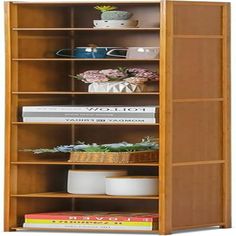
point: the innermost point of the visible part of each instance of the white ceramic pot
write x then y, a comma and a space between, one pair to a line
90, 181
115, 23
116, 87
143, 53
132, 186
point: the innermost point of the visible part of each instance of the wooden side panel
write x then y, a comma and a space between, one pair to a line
199, 19
197, 58
197, 195
199, 77
197, 132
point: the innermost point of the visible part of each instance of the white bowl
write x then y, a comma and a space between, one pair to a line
90, 181
132, 185
115, 23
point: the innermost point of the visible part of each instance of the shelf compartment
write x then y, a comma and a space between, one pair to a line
52, 75
59, 14
86, 230
90, 196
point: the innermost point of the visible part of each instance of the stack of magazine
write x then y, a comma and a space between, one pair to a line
90, 114
92, 220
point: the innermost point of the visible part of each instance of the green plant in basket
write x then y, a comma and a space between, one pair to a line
146, 144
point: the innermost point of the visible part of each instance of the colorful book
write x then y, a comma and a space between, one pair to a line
87, 226
89, 222
96, 109
89, 120
95, 216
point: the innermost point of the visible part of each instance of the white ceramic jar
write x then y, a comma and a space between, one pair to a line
132, 185
90, 181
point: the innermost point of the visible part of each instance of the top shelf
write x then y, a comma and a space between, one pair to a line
86, 29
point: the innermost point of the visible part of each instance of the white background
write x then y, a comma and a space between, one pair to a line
208, 232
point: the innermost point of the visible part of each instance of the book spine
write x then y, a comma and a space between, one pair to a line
90, 114
88, 222
89, 120
84, 226
127, 109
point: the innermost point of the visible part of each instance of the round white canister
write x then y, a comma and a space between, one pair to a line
132, 185
90, 181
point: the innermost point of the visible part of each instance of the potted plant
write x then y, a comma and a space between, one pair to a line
112, 18
127, 80
110, 13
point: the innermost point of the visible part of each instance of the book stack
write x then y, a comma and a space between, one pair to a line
90, 114
92, 220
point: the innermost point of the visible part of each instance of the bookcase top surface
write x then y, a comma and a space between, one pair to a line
87, 2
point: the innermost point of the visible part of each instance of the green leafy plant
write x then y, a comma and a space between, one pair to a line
105, 8
147, 143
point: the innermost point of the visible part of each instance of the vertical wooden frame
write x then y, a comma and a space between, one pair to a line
7, 7
226, 115
165, 170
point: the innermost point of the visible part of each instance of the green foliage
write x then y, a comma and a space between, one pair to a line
147, 143
105, 8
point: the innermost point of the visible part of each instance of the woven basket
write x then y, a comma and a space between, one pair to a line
114, 157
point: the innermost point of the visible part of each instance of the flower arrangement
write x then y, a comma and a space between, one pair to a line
146, 144
130, 75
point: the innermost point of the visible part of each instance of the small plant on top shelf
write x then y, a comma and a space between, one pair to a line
108, 13
112, 18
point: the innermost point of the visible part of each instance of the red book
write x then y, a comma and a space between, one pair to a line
99, 216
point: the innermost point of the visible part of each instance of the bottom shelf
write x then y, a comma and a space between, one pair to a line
87, 230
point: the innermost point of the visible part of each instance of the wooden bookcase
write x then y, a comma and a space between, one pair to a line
193, 94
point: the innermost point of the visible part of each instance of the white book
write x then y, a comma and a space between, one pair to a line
89, 120
85, 226
107, 108
90, 114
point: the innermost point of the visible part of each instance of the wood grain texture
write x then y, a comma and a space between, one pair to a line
7, 118
226, 116
201, 172
165, 177
197, 195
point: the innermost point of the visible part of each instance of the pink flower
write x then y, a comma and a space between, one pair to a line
136, 80
92, 76
144, 73
114, 73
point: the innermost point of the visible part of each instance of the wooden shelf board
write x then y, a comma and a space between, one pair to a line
87, 230
198, 36
82, 163
73, 123
84, 59
194, 163
81, 93
198, 100
92, 196
85, 29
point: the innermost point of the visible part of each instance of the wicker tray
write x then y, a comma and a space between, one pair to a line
114, 157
